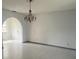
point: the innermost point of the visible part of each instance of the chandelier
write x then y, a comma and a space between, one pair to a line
30, 17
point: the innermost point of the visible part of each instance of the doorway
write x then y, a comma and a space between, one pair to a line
12, 30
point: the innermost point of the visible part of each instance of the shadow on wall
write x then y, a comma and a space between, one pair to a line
12, 29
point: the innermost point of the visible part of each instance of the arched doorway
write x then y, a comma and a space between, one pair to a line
12, 30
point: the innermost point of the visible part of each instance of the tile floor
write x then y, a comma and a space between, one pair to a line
33, 51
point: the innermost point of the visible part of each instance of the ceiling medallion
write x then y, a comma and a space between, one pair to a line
30, 17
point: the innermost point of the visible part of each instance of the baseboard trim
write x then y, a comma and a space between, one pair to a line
48, 45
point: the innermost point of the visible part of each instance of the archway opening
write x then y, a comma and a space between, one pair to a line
12, 30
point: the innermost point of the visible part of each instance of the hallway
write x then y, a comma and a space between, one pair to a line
34, 51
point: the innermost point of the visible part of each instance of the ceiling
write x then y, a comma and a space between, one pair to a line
39, 6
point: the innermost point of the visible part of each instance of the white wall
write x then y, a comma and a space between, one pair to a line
7, 31
26, 26
57, 28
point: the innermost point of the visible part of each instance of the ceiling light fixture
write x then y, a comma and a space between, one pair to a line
30, 17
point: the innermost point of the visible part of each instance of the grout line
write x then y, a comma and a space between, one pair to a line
48, 45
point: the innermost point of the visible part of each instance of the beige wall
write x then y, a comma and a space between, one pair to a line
56, 28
